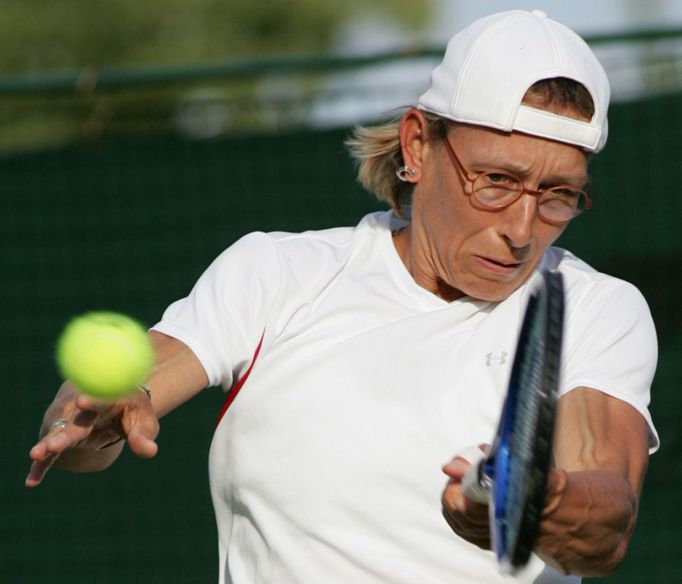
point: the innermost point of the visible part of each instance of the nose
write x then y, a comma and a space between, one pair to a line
517, 221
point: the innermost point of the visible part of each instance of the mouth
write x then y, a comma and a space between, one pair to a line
499, 266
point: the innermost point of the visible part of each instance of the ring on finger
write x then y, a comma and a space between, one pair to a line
61, 423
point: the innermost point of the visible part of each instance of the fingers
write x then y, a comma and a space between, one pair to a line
457, 505
87, 403
457, 468
61, 435
81, 433
64, 433
38, 470
466, 518
478, 537
133, 418
464, 459
142, 427
142, 446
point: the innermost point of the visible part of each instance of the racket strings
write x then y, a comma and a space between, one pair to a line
535, 377
523, 471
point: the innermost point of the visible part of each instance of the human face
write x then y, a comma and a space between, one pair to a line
454, 248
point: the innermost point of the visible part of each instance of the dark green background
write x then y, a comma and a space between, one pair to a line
129, 223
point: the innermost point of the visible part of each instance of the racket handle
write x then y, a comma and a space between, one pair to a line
474, 487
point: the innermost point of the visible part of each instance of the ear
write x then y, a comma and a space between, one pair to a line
414, 141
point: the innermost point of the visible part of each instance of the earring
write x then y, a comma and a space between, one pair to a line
404, 173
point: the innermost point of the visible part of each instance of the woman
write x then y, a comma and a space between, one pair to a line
359, 360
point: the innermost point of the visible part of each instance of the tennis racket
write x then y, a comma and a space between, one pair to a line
512, 478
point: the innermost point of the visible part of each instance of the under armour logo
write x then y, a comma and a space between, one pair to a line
496, 358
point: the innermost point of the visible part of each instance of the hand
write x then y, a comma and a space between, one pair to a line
88, 440
468, 519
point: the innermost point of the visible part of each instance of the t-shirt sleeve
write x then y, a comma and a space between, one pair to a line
610, 345
224, 316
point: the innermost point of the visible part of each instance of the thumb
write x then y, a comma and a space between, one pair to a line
464, 460
142, 445
142, 427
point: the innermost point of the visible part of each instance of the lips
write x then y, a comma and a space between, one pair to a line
498, 265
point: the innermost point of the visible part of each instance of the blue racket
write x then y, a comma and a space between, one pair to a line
512, 478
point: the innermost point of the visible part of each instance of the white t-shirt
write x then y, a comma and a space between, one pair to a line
326, 467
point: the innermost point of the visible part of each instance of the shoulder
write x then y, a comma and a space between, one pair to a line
309, 252
261, 252
605, 313
330, 240
586, 286
279, 264
610, 342
313, 241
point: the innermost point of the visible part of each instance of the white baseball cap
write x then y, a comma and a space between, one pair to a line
489, 66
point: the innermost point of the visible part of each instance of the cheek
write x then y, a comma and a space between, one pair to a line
458, 232
547, 234
458, 235
448, 214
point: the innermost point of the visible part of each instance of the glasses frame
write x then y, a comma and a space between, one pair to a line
457, 163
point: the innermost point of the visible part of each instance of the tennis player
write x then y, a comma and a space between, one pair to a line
360, 360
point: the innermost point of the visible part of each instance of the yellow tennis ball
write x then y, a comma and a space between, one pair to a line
105, 354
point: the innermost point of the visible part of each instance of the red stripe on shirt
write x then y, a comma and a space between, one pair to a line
240, 383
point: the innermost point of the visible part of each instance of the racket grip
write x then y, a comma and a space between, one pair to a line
473, 488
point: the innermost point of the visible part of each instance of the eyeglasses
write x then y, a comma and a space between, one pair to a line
494, 190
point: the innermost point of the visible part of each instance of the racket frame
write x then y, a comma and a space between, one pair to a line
513, 528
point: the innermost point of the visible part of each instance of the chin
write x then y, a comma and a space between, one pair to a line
492, 291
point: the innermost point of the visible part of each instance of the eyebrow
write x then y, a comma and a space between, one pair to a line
521, 172
583, 183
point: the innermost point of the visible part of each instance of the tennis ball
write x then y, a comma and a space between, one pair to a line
105, 354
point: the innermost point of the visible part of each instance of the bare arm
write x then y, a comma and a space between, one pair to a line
601, 456
89, 440
178, 375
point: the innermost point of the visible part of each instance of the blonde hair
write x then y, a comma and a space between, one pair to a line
377, 155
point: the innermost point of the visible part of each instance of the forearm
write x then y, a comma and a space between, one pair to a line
587, 522
177, 376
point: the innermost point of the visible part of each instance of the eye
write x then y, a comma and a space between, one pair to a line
562, 203
565, 195
498, 179
563, 192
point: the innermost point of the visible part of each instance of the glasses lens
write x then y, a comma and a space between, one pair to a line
494, 189
561, 203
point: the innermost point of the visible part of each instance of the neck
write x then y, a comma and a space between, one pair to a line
403, 240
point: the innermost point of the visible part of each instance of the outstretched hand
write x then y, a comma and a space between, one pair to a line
82, 434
